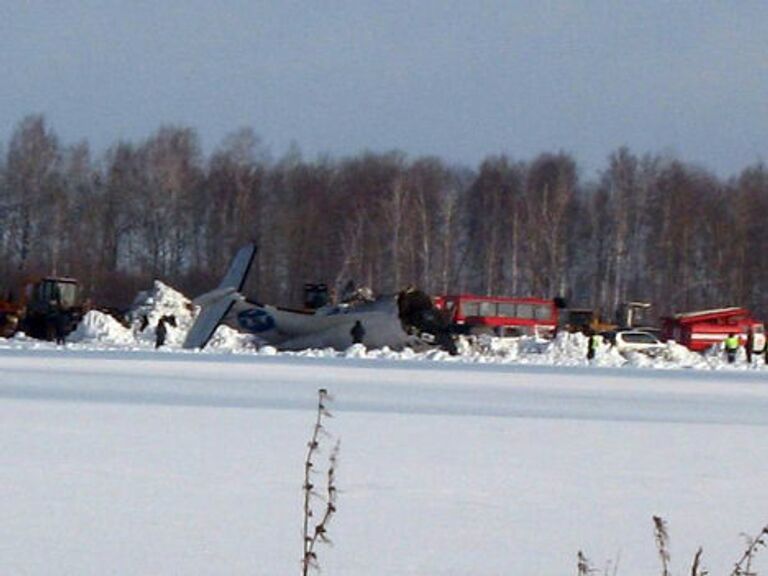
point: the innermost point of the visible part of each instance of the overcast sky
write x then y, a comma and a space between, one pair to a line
456, 79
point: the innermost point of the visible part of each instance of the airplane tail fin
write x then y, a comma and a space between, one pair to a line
238, 268
215, 305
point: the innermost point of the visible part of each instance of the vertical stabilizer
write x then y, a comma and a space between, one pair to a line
238, 268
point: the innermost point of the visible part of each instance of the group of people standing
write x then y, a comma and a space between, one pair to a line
161, 329
733, 342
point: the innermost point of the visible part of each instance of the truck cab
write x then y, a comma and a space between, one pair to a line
52, 305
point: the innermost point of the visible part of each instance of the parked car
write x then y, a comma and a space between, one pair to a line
637, 341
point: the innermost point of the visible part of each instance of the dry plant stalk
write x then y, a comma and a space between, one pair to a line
582, 563
612, 567
696, 569
662, 543
584, 568
318, 532
744, 566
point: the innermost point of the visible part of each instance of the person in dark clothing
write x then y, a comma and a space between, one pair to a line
750, 344
357, 333
60, 326
160, 333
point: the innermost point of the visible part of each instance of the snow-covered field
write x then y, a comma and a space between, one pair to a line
118, 459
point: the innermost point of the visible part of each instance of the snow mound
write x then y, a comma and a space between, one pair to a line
356, 351
97, 327
161, 301
226, 338
565, 350
678, 355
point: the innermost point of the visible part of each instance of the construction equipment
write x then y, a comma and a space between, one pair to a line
49, 308
584, 320
627, 315
632, 314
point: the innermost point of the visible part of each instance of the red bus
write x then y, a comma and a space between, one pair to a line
499, 315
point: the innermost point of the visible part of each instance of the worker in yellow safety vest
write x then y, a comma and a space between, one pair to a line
731, 345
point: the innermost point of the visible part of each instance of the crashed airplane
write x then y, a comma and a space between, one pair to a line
397, 321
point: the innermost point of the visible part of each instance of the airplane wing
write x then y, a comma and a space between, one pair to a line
207, 322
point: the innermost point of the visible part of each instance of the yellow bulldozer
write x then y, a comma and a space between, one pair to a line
628, 315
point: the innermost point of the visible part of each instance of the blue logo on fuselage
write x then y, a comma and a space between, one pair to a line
255, 320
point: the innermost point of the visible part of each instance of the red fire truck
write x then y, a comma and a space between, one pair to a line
499, 315
700, 330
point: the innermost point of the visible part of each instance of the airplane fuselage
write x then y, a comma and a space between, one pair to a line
382, 321
329, 326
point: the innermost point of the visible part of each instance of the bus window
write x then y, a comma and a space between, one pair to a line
470, 308
543, 312
525, 311
487, 309
507, 309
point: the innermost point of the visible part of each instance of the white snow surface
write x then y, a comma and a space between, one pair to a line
508, 459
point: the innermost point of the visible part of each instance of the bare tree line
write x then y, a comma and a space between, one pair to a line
648, 228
